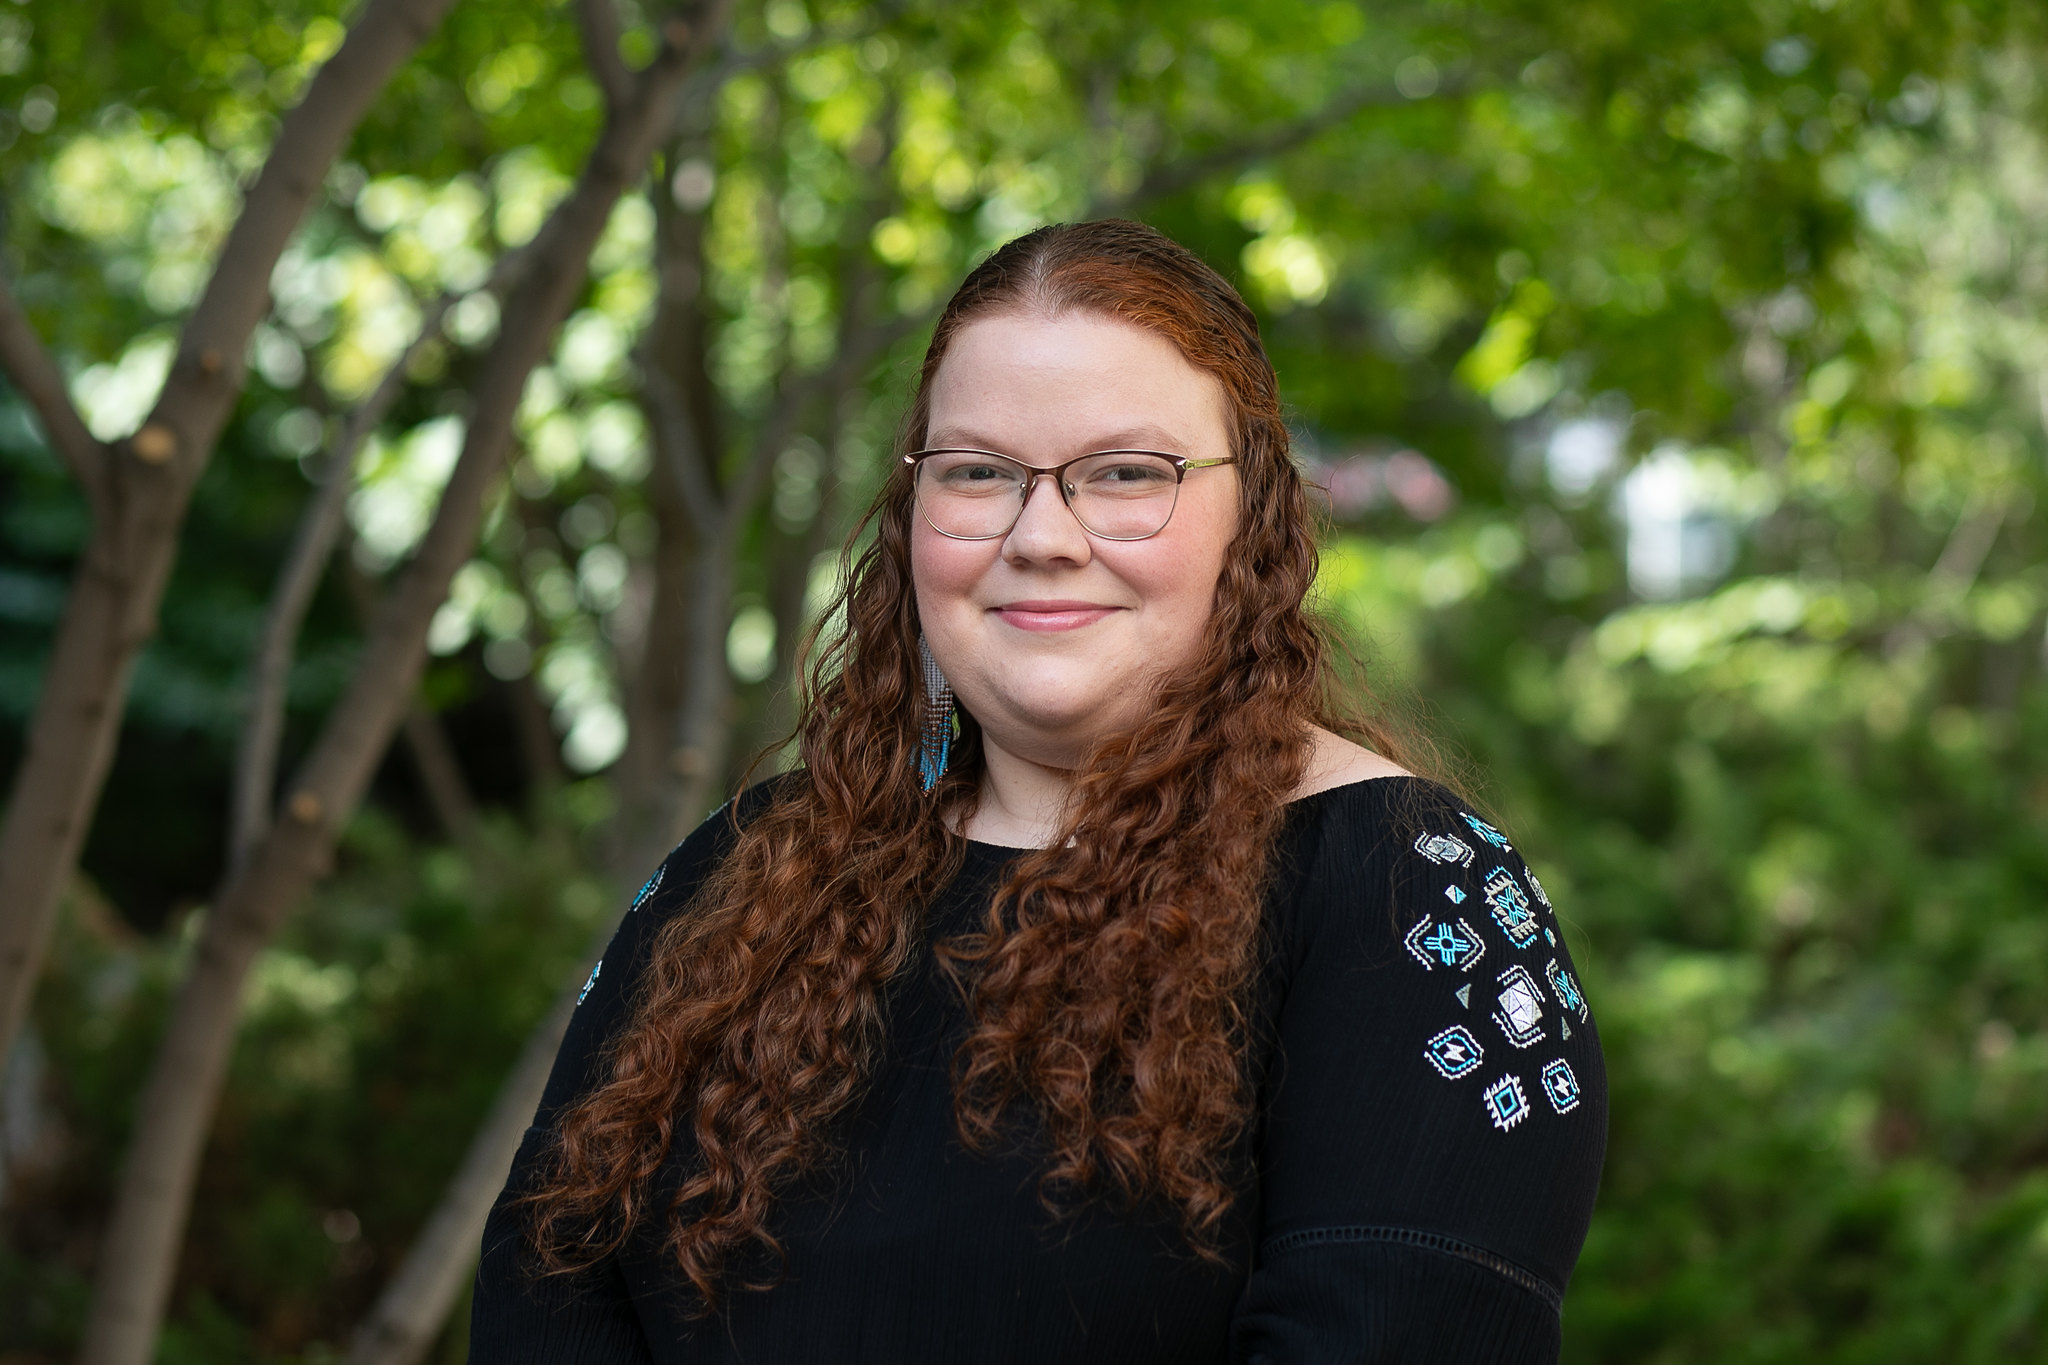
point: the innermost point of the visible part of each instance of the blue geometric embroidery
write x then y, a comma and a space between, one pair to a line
1456, 894
1550, 938
653, 883
1454, 1052
1536, 886
1444, 848
1445, 943
1565, 989
591, 982
1511, 909
1505, 1102
1519, 1011
1489, 833
1464, 994
1561, 1086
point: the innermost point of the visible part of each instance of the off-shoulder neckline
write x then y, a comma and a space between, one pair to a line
1297, 803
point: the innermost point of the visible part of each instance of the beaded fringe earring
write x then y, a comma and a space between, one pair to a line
937, 730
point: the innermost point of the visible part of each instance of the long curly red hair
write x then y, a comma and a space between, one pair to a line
1108, 984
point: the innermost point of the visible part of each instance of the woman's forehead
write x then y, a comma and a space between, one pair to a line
1077, 377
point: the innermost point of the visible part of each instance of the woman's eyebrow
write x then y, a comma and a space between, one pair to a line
949, 438
1144, 436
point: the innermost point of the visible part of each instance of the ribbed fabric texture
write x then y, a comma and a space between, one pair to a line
1427, 1146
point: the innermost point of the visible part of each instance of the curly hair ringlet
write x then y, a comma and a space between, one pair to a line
1107, 985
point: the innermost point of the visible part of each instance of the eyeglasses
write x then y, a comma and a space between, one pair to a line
1114, 494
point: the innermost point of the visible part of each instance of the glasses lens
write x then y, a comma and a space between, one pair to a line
970, 493
1123, 494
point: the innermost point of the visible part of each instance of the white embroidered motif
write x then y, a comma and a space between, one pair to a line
1489, 833
1448, 943
653, 885
1444, 848
1456, 894
1565, 989
1519, 1011
1561, 1086
1464, 994
591, 982
1511, 908
1454, 1052
1537, 887
1505, 1102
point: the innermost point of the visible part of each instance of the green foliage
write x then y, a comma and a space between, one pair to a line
377, 1032
1803, 884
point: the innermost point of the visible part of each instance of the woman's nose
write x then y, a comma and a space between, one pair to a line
1046, 529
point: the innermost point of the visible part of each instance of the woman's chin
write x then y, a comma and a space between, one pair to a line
1057, 736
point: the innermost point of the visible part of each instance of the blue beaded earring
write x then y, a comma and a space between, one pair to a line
936, 744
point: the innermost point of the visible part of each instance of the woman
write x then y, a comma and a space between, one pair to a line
1083, 995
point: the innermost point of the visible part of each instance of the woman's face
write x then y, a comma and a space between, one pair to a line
1051, 637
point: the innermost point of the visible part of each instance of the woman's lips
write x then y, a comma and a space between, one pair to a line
1052, 615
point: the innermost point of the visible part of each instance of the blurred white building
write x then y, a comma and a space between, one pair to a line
1680, 528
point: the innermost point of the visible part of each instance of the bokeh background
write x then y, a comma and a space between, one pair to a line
1676, 371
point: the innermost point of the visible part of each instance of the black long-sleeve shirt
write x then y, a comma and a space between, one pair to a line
1415, 1187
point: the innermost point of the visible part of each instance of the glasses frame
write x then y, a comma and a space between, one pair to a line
1181, 465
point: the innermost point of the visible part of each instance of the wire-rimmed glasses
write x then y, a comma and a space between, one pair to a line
1115, 494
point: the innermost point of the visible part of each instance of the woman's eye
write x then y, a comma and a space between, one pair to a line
1130, 477
973, 476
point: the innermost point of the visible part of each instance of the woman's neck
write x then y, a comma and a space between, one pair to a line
1023, 803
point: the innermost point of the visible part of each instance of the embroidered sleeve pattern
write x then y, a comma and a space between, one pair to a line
640, 898
1435, 1118
1528, 1001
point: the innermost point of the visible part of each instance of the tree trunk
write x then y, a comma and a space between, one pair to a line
433, 758
789, 582
146, 488
540, 753
414, 1305
703, 737
320, 526
685, 429
654, 692
440, 773
140, 1251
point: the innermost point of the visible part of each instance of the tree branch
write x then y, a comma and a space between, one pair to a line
433, 757
139, 1253
305, 564
682, 462
794, 399
35, 375
440, 774
701, 730
112, 608
416, 1299
1168, 179
598, 23
1953, 573
206, 377
861, 339
732, 62
255, 776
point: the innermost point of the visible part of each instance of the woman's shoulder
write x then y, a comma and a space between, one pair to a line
1335, 761
1352, 809
1388, 861
1350, 792
676, 879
